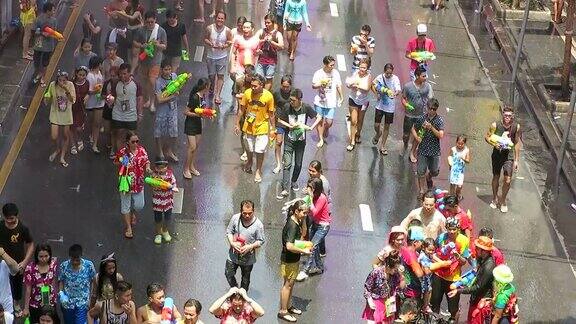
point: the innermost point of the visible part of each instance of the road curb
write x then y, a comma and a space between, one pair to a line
531, 98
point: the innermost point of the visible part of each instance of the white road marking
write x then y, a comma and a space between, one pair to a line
198, 53
434, 76
477, 189
178, 201
59, 240
341, 61
77, 188
448, 109
520, 178
366, 217
333, 9
430, 81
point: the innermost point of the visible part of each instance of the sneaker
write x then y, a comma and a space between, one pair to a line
166, 236
322, 255
295, 187
282, 195
504, 208
277, 169
73, 150
301, 276
315, 271
244, 157
493, 204
80, 145
158, 239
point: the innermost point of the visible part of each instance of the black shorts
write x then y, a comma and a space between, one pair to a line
388, 117
353, 104
293, 27
107, 113
500, 161
41, 59
193, 126
129, 125
408, 123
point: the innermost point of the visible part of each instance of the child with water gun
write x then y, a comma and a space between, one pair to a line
457, 160
163, 185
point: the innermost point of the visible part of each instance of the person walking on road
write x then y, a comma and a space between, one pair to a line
245, 234
281, 100
295, 13
396, 241
244, 50
40, 273
362, 46
236, 307
294, 229
27, 18
328, 85
192, 310
457, 160
193, 125
120, 309
8, 267
163, 201
152, 311
176, 39
218, 39
44, 45
76, 277
294, 117
82, 87
432, 220
16, 240
359, 84
107, 279
420, 43
95, 103
428, 130
386, 86
60, 95
127, 107
271, 42
505, 158
134, 159
166, 121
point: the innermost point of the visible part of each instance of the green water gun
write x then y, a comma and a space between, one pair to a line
185, 55
148, 51
407, 105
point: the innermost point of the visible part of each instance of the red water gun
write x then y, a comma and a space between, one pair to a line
53, 33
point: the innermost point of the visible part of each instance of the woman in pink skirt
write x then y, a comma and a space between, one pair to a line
380, 290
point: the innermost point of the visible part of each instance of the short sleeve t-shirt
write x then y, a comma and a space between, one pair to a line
293, 116
42, 43
229, 316
290, 233
108, 63
245, 235
125, 105
327, 96
385, 103
136, 166
416, 46
174, 39
503, 296
257, 109
77, 282
14, 240
413, 286
362, 49
83, 59
430, 145
161, 84
417, 97
143, 36
462, 248
95, 80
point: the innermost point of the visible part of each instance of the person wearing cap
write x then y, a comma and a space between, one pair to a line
503, 293
112, 59
482, 286
163, 200
432, 220
420, 43
452, 246
412, 270
396, 240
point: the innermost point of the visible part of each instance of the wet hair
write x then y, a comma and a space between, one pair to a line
48, 6
451, 200
507, 109
316, 165
102, 275
201, 84
165, 63
236, 295
461, 137
486, 231
94, 62
317, 187
129, 135
241, 20
394, 236
389, 66
249, 70
10, 209
259, 78
42, 247
415, 222
75, 251
286, 78
246, 203
270, 17
428, 242
409, 306
171, 14
124, 66
220, 12
433, 104
419, 71
365, 60
297, 93
150, 14
153, 288
85, 41
328, 59
194, 303
392, 260
114, 69
366, 28
50, 312
122, 287
295, 206
429, 194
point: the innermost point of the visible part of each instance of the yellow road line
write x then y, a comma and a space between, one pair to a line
16, 146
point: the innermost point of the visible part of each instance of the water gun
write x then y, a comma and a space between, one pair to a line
53, 33
305, 245
240, 239
148, 51
205, 112
307, 200
272, 141
124, 180
387, 91
324, 82
484, 308
504, 141
354, 49
45, 295
158, 183
98, 90
421, 132
176, 85
167, 315
185, 55
422, 56
299, 130
64, 299
466, 280
407, 105
27, 320
110, 99
448, 249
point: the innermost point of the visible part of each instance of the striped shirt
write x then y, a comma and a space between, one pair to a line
362, 49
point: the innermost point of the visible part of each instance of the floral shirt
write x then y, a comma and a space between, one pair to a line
377, 286
77, 282
136, 166
163, 200
229, 316
35, 279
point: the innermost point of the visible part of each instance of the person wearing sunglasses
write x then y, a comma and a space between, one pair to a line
504, 158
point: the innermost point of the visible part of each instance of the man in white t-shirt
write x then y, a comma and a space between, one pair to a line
329, 86
432, 220
8, 267
386, 86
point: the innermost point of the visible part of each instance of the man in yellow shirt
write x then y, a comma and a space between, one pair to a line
257, 106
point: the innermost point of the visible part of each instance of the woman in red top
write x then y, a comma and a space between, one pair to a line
41, 272
134, 163
319, 228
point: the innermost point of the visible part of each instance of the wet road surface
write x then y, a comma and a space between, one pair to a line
81, 204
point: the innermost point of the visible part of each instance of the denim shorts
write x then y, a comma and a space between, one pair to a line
325, 112
266, 70
428, 163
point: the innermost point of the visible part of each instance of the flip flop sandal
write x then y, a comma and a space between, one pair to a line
217, 101
52, 156
374, 141
187, 175
128, 235
350, 147
64, 164
294, 310
384, 152
287, 317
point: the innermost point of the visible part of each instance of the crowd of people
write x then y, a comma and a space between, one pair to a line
103, 100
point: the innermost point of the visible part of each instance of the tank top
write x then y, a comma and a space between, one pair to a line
114, 318
269, 53
512, 129
218, 38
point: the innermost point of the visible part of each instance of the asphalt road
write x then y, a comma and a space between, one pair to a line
81, 204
